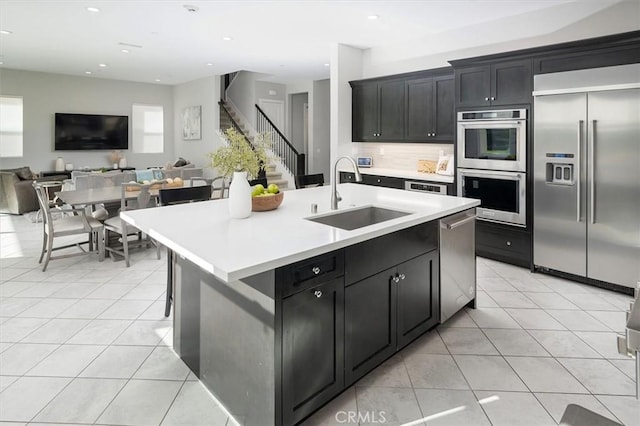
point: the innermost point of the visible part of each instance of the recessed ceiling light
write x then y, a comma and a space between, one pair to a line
6, 32
157, 80
124, 51
102, 65
209, 64
326, 65
190, 8
373, 17
93, 9
227, 38
87, 72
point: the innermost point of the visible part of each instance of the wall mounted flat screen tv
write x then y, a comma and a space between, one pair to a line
91, 131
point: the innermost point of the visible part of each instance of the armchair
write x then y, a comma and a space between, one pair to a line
17, 195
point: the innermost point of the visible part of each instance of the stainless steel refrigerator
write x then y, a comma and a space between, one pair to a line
587, 175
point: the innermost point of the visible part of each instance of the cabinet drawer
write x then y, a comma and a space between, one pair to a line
502, 243
309, 272
386, 181
374, 180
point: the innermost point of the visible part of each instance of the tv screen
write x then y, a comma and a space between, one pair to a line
91, 131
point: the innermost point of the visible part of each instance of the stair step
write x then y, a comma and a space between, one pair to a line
282, 183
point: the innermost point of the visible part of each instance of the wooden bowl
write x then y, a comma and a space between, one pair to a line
266, 202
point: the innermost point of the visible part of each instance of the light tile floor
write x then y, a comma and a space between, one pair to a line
87, 343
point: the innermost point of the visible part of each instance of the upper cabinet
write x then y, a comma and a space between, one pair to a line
415, 107
378, 111
501, 83
430, 109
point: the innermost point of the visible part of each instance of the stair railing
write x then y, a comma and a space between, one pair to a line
289, 155
225, 115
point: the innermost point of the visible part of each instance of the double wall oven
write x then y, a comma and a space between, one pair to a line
492, 161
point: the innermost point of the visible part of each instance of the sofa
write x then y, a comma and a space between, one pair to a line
17, 195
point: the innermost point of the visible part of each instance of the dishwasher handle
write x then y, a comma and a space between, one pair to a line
458, 223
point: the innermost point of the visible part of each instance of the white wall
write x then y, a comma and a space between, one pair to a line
297, 102
320, 128
346, 65
206, 93
45, 94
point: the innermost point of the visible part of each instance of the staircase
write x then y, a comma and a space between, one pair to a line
229, 118
276, 177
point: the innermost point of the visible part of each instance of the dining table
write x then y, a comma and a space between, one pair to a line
92, 196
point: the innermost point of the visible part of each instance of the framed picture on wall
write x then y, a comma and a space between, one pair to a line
191, 123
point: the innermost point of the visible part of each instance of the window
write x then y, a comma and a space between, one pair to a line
148, 129
10, 126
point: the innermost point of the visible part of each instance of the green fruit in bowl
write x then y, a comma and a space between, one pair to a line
273, 188
257, 190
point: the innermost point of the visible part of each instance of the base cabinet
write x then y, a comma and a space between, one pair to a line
385, 312
370, 324
417, 297
503, 243
312, 349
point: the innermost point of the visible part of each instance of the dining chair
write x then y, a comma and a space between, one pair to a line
67, 226
198, 180
261, 181
184, 195
50, 187
306, 181
171, 196
116, 225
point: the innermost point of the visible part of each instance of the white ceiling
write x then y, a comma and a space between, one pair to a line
290, 39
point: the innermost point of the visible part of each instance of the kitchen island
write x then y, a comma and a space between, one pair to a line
277, 314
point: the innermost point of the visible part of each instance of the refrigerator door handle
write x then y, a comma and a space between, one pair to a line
592, 172
577, 171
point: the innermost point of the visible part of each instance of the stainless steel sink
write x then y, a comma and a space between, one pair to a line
358, 218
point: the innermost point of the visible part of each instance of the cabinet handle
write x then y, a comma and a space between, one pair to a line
315, 270
433, 134
317, 294
402, 276
493, 98
509, 243
395, 278
486, 99
379, 180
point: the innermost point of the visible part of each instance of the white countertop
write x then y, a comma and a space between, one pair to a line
406, 174
233, 249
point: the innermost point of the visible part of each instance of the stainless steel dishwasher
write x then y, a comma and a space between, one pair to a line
457, 262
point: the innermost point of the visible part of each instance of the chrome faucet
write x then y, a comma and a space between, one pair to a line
335, 197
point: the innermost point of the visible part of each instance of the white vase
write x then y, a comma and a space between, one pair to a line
59, 164
239, 196
122, 163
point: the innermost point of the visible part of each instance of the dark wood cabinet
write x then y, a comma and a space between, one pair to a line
417, 297
312, 349
378, 111
385, 312
429, 111
496, 84
374, 180
370, 324
365, 112
504, 243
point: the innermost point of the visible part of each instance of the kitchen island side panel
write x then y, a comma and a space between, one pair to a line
237, 343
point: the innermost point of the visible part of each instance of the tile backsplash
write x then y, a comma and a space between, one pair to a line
399, 156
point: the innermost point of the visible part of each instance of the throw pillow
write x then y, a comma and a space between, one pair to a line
180, 162
24, 173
